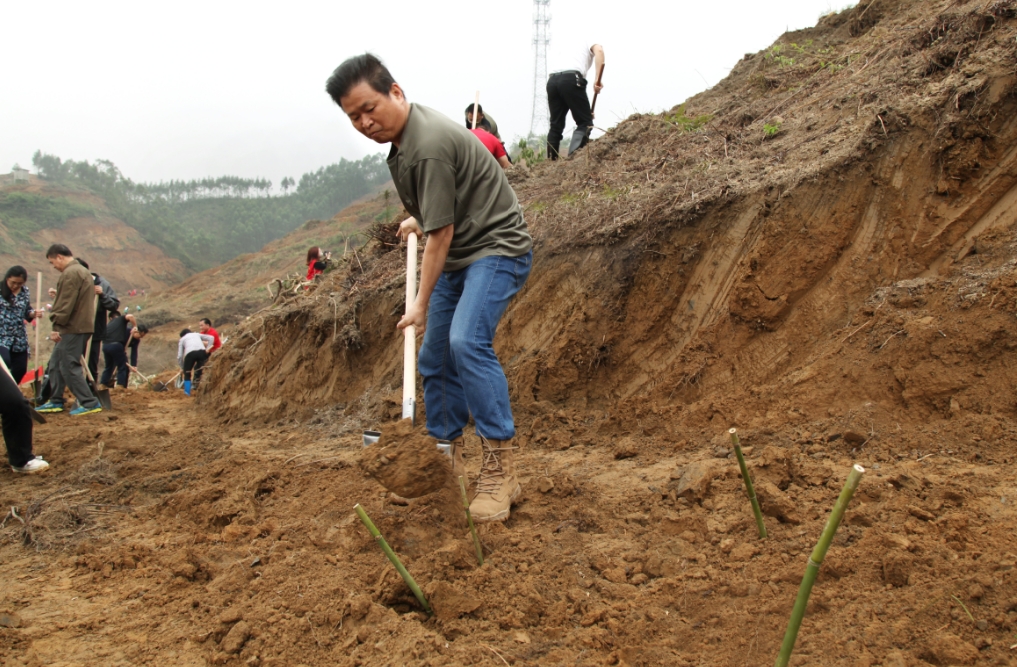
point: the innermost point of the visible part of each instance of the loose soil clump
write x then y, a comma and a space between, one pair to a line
406, 461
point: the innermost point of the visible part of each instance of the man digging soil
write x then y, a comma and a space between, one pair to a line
477, 257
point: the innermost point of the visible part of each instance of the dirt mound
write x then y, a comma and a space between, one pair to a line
820, 251
406, 462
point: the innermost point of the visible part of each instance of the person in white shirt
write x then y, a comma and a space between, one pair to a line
192, 353
566, 92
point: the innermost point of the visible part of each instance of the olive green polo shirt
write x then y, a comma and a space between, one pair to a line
445, 176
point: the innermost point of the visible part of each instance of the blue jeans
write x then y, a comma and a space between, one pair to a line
461, 372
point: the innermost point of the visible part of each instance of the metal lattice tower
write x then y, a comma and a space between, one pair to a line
540, 121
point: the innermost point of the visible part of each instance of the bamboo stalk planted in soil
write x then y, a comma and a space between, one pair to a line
750, 490
398, 564
815, 560
469, 520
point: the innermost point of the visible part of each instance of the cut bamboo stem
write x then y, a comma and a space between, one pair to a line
750, 490
815, 560
469, 520
398, 564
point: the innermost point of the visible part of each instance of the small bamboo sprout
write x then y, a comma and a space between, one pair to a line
750, 490
469, 519
400, 568
815, 560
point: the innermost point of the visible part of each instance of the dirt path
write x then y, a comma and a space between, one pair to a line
177, 541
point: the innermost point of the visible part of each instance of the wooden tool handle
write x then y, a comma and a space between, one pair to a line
600, 76
410, 335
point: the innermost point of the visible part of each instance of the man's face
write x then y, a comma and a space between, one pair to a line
203, 328
480, 117
59, 262
377, 116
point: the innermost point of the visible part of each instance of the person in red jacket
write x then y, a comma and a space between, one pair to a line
317, 260
492, 144
205, 327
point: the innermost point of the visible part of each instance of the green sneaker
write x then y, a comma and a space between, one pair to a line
82, 410
50, 407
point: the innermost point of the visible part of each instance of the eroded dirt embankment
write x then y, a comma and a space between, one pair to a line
842, 291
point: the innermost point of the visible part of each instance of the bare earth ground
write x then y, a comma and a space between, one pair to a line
161, 538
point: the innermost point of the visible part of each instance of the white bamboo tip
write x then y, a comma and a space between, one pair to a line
859, 468
732, 430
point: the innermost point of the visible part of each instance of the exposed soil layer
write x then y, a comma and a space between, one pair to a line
820, 251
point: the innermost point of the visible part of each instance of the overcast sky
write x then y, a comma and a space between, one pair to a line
181, 90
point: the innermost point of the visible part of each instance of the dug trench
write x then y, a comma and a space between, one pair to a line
842, 292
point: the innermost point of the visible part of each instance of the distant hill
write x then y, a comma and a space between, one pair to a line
205, 222
230, 292
36, 214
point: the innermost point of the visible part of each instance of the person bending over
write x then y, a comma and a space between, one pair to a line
114, 349
192, 353
205, 327
137, 333
476, 258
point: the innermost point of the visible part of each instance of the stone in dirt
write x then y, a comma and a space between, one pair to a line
10, 621
406, 461
236, 637
776, 503
694, 480
448, 602
949, 649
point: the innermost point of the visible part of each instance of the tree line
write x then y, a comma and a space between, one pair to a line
206, 222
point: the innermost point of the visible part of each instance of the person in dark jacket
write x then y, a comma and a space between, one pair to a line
108, 302
114, 349
16, 418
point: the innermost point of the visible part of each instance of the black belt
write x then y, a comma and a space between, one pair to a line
566, 71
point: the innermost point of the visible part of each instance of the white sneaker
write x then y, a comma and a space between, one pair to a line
35, 465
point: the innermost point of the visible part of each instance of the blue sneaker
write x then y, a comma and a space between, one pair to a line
82, 410
50, 407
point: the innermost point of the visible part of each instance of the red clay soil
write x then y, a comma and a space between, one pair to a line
843, 291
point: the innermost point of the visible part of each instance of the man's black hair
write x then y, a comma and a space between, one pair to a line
13, 272
85, 264
142, 328
207, 321
113, 314
480, 108
367, 68
184, 332
59, 249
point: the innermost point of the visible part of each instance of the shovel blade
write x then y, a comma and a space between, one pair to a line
104, 399
371, 437
38, 418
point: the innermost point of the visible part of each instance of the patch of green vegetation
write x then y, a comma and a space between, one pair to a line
573, 197
532, 150
536, 207
24, 213
611, 193
770, 130
686, 123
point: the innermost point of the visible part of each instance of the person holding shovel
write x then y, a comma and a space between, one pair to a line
477, 257
192, 353
566, 92
73, 324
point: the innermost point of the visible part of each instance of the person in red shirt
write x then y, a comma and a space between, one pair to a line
317, 261
492, 144
205, 327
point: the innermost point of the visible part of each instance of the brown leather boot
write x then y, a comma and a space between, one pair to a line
497, 485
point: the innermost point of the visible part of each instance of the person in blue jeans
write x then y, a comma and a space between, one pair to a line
476, 258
